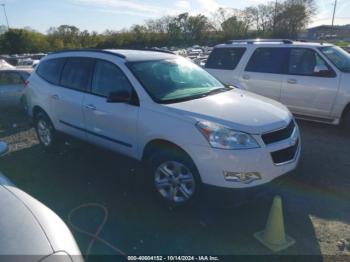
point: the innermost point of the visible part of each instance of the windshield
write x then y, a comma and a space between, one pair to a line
175, 80
339, 57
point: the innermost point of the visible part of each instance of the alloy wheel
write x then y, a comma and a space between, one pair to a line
175, 182
44, 132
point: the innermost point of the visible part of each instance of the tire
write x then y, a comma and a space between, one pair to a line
45, 131
346, 121
174, 178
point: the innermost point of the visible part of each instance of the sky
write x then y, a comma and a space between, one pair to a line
99, 15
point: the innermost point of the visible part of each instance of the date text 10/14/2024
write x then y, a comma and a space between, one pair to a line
173, 258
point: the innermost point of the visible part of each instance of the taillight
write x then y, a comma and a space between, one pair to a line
26, 83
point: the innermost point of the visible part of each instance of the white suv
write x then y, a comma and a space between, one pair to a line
311, 79
164, 110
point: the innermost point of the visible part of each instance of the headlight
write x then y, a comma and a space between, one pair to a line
224, 138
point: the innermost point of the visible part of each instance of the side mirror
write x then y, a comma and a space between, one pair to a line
122, 96
323, 70
3, 148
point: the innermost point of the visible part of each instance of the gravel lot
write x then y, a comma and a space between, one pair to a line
316, 200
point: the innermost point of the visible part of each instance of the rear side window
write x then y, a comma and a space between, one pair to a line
109, 78
10, 78
50, 70
268, 60
77, 73
225, 58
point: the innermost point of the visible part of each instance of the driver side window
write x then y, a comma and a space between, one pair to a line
109, 78
306, 62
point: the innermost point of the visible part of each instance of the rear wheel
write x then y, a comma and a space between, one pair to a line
174, 178
346, 121
45, 130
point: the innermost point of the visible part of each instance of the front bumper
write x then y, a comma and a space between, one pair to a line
228, 197
212, 163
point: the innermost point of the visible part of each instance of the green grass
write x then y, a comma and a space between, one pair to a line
342, 44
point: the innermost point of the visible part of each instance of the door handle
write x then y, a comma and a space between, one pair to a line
55, 97
246, 77
292, 81
91, 107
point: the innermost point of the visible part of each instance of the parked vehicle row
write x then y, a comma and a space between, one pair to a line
311, 79
12, 85
159, 108
4, 65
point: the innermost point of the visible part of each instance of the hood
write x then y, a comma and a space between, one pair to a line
21, 234
237, 109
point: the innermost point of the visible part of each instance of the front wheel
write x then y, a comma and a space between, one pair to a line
174, 177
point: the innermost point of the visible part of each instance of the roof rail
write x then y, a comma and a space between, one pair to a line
258, 40
109, 52
88, 50
157, 50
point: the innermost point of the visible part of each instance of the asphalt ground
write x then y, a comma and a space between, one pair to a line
316, 199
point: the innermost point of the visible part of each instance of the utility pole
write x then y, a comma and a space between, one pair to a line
335, 9
7, 21
274, 18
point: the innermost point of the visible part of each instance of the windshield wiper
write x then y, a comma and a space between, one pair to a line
181, 99
217, 91
197, 96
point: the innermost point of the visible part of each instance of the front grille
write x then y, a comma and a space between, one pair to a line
285, 155
279, 135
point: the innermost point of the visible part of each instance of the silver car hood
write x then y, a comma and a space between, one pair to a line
20, 232
238, 109
28, 228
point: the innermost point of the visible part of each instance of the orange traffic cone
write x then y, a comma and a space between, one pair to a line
274, 236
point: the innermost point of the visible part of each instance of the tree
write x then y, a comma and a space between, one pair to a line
19, 41
197, 28
285, 19
69, 35
261, 18
160, 25
220, 16
233, 28
292, 17
186, 30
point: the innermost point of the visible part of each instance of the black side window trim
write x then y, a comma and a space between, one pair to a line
61, 72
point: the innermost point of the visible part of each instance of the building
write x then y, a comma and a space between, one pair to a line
328, 32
